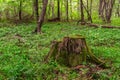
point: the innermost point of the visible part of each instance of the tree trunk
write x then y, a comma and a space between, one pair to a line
36, 9
52, 5
90, 17
78, 8
109, 5
20, 10
67, 7
82, 12
41, 18
58, 9
89, 13
101, 9
118, 9
72, 51
71, 11
105, 10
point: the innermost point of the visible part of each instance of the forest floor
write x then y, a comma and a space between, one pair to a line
22, 53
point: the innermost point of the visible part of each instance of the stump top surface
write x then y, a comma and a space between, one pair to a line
76, 37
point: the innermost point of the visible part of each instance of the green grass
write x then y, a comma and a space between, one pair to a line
23, 59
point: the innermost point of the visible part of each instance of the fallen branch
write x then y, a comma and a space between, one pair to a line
102, 26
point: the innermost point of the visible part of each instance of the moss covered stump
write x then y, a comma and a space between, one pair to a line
72, 51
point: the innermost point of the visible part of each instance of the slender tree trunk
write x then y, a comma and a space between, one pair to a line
119, 8
87, 5
100, 4
53, 14
51, 9
67, 7
71, 9
78, 8
36, 9
58, 11
101, 9
41, 17
20, 10
48, 13
90, 12
82, 12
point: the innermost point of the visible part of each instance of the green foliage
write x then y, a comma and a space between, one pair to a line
21, 57
9, 10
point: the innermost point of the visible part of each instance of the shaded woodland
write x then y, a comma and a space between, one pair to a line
82, 11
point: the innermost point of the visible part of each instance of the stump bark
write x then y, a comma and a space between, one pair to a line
72, 51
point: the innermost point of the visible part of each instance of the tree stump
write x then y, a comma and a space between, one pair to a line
72, 51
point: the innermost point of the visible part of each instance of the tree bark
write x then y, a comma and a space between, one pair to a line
67, 7
90, 17
118, 9
72, 51
36, 9
41, 17
105, 10
89, 12
71, 11
109, 13
82, 12
58, 9
20, 10
53, 13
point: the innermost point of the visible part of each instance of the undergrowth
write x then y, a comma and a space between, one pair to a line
22, 53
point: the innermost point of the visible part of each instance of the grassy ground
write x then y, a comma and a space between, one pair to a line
22, 53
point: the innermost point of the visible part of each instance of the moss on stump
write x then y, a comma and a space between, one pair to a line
72, 51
